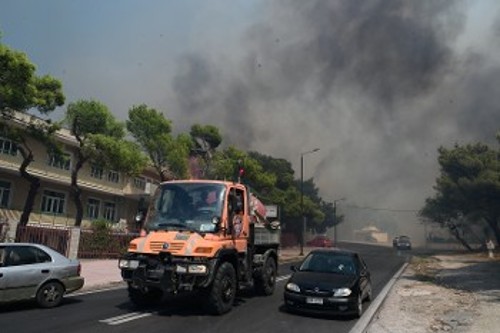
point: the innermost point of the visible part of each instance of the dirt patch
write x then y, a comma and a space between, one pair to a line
442, 294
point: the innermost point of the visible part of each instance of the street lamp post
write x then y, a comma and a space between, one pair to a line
303, 232
335, 217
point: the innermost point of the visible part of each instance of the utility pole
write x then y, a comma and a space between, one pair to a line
335, 238
303, 232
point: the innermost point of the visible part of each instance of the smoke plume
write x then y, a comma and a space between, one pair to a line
378, 86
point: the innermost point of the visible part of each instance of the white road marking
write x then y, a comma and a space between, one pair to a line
126, 318
138, 315
282, 278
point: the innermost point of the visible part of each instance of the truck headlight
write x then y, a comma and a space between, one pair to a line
180, 269
128, 263
197, 269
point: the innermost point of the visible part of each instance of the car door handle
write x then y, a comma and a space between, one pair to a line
1, 274
45, 271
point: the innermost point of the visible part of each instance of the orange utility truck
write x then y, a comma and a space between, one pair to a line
204, 236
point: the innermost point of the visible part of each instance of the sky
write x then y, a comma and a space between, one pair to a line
376, 85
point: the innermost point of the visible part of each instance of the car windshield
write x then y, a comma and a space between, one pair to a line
322, 262
186, 206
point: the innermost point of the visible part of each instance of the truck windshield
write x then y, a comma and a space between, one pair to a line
186, 206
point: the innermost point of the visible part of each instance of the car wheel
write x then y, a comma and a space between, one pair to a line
369, 293
50, 295
359, 306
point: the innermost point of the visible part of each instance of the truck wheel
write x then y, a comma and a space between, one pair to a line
265, 283
144, 296
221, 294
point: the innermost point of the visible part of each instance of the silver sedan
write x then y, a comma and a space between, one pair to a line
36, 272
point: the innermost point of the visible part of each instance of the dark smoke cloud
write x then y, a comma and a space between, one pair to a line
377, 85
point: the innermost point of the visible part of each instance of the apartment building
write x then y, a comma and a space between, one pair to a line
107, 194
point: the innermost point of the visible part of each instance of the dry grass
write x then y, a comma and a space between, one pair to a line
425, 268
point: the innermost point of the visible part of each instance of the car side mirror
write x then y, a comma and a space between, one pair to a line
293, 268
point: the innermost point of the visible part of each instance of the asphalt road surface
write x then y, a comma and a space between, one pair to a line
111, 311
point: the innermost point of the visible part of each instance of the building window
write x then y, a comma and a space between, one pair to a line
140, 183
109, 211
93, 208
53, 202
60, 161
113, 176
96, 171
8, 147
4, 193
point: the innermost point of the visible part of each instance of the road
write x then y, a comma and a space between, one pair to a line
111, 311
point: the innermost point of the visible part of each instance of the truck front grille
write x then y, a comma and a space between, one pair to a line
173, 247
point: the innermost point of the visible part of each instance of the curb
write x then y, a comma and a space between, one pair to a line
364, 322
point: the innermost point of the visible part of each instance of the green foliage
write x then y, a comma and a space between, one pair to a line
116, 154
101, 140
468, 187
21, 89
99, 239
92, 117
281, 168
152, 131
177, 156
206, 137
101, 242
48, 95
225, 166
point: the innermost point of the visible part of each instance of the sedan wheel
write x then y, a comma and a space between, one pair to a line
50, 295
359, 306
369, 293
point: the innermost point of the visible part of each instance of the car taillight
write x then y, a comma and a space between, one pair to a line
79, 269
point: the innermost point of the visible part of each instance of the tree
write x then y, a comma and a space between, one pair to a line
468, 188
100, 139
281, 168
168, 155
20, 91
206, 139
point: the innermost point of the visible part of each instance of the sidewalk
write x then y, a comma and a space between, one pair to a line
104, 273
457, 293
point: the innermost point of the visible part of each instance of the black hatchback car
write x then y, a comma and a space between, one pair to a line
329, 281
402, 243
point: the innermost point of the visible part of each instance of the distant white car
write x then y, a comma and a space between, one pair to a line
33, 271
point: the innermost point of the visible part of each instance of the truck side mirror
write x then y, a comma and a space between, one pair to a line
139, 217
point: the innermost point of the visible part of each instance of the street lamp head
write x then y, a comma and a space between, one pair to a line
309, 152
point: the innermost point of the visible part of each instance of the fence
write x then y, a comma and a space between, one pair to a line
4, 228
98, 244
54, 237
93, 244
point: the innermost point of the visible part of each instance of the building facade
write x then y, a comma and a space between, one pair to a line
107, 194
